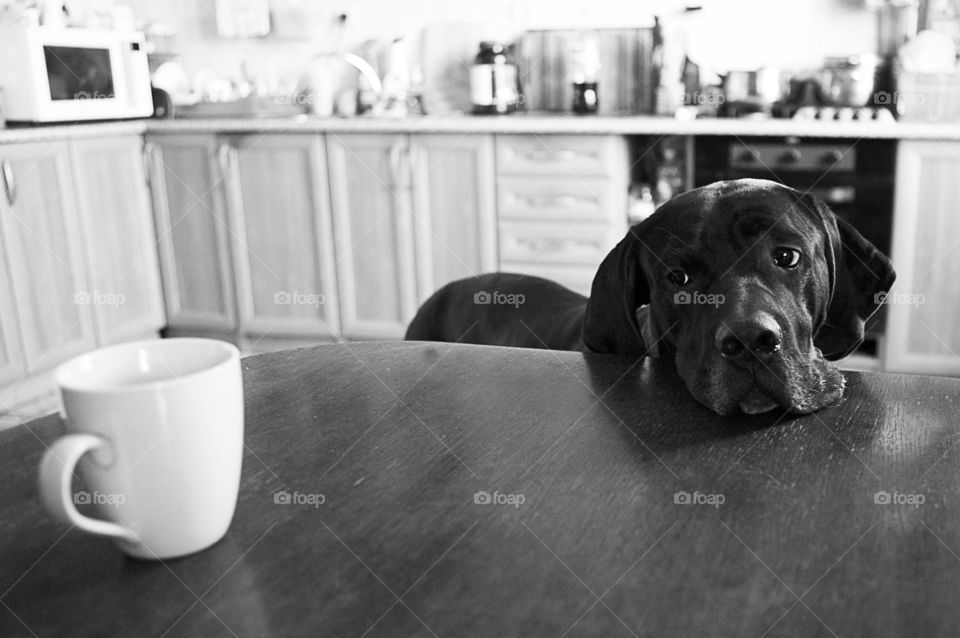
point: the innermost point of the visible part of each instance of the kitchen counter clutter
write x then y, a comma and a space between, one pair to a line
274, 233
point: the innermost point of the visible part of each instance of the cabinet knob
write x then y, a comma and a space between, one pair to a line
747, 156
791, 156
831, 157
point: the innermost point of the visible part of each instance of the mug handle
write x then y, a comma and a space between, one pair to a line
55, 478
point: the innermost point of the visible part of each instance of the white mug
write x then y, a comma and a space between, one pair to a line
157, 430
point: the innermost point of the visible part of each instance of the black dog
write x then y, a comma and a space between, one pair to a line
749, 285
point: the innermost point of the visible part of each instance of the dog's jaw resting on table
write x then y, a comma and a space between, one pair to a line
764, 342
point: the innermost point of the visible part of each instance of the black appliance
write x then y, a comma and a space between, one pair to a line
854, 177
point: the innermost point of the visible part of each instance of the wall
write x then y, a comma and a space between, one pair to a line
790, 34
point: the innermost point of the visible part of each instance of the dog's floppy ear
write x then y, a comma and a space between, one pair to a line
861, 276
619, 289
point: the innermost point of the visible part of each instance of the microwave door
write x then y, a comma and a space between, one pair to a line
79, 73
81, 82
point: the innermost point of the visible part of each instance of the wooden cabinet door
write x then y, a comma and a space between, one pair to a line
454, 208
282, 239
192, 232
923, 334
46, 260
117, 225
370, 193
12, 366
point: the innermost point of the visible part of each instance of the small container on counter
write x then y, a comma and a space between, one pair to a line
585, 59
494, 85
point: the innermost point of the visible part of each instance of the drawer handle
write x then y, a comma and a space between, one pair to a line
559, 201
540, 155
545, 245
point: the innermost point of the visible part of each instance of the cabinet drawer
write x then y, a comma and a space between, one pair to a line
576, 278
583, 244
561, 155
589, 199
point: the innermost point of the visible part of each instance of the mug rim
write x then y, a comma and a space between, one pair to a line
62, 371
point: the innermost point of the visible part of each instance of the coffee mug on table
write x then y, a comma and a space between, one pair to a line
156, 428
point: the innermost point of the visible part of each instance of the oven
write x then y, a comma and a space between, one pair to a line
854, 177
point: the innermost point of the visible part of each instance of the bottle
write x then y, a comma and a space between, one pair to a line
585, 65
494, 87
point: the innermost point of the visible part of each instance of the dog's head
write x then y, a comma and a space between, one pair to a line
752, 286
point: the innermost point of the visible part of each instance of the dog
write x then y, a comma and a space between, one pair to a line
750, 286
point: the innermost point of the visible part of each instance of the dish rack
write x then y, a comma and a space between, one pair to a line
928, 97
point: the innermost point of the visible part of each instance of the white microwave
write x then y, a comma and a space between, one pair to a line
69, 75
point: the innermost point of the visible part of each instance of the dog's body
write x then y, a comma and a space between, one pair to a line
748, 285
503, 309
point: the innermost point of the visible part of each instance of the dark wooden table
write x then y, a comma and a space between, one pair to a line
583, 456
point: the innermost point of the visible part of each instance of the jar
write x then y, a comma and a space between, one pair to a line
585, 66
494, 87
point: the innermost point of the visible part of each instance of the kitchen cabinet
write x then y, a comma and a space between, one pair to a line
454, 208
411, 213
192, 234
12, 366
923, 335
45, 252
118, 232
281, 236
370, 190
562, 204
246, 242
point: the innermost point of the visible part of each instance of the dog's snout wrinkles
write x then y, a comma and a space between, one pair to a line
744, 339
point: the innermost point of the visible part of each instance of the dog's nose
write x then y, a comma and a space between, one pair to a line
758, 336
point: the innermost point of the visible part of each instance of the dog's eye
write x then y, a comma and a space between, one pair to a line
678, 277
786, 257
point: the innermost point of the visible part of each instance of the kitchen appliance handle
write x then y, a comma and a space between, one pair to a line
9, 182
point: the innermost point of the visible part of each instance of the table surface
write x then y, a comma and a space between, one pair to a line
583, 455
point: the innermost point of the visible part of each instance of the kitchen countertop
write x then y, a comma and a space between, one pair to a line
50, 133
517, 123
570, 124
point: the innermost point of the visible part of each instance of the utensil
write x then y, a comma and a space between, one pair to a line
850, 80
